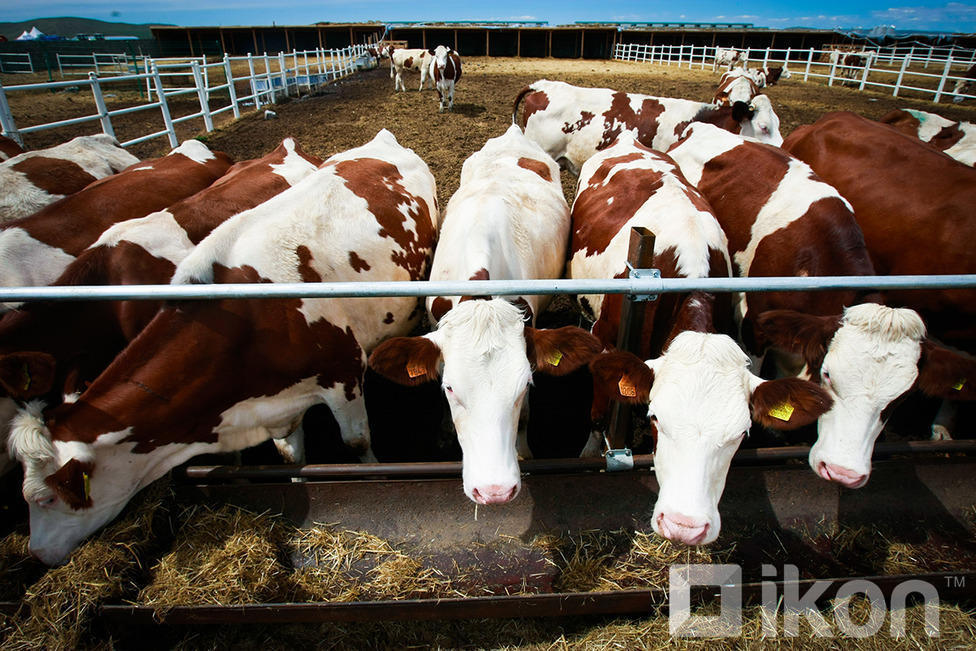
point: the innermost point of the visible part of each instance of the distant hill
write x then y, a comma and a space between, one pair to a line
69, 26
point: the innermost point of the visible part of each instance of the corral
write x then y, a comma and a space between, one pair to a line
255, 552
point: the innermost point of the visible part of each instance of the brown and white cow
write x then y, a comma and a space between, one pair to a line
850, 64
729, 57
769, 75
572, 123
9, 148
214, 376
508, 220
735, 86
955, 138
413, 59
60, 345
445, 70
701, 396
966, 85
35, 250
34, 179
783, 220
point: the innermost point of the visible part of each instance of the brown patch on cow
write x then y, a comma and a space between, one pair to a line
585, 118
795, 332
388, 319
357, 263
536, 166
621, 116
480, 274
70, 485
440, 306
408, 62
560, 351
9, 148
947, 137
391, 204
26, 374
407, 360
54, 175
695, 314
720, 116
946, 373
126, 195
305, 270
804, 401
602, 208
622, 377
535, 101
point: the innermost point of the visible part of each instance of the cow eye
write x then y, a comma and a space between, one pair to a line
46, 502
448, 389
825, 374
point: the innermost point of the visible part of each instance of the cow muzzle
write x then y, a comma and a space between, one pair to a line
494, 493
843, 476
681, 528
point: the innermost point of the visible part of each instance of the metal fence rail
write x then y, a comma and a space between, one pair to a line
16, 62
902, 70
635, 286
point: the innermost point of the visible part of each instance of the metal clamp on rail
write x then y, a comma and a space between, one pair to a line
618, 459
642, 273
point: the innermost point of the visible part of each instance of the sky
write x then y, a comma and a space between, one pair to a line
912, 15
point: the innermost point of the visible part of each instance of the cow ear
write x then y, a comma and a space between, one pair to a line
560, 351
26, 375
795, 332
407, 360
622, 377
788, 403
742, 111
72, 483
946, 373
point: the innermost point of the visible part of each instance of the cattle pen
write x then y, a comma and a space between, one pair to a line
374, 590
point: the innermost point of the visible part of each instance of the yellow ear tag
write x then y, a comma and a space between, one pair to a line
27, 377
782, 412
959, 385
415, 369
555, 358
626, 389
87, 481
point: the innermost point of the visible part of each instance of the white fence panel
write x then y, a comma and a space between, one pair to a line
16, 62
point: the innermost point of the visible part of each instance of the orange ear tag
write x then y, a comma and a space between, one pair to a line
782, 412
415, 369
626, 389
554, 358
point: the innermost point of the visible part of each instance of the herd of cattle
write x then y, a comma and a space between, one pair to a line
101, 399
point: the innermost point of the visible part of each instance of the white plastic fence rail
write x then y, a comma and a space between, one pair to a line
896, 68
283, 74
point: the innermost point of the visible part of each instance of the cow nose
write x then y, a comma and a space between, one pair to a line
494, 493
680, 528
844, 476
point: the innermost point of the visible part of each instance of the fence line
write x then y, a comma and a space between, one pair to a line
905, 66
281, 76
16, 62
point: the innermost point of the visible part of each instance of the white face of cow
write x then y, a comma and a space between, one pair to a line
440, 55
764, 125
702, 399
871, 360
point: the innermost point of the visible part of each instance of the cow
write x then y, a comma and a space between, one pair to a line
32, 180
507, 220
729, 57
445, 70
400, 60
35, 250
572, 123
918, 202
957, 139
216, 376
63, 344
850, 63
9, 148
783, 220
769, 76
965, 86
735, 87
696, 383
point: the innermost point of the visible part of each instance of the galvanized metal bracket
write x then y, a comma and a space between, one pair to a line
642, 273
619, 459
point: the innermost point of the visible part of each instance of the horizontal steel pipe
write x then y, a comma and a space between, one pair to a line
636, 286
453, 468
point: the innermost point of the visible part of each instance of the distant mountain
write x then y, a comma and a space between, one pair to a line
69, 26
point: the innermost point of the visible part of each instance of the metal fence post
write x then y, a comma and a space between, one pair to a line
901, 75
7, 119
942, 80
164, 107
229, 74
202, 95
103, 115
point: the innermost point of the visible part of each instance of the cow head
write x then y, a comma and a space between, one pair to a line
702, 399
440, 54
866, 359
485, 356
758, 120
